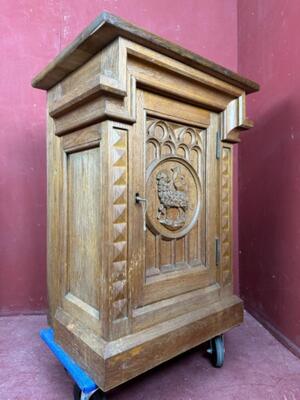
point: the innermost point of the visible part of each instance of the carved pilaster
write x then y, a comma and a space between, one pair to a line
118, 287
226, 188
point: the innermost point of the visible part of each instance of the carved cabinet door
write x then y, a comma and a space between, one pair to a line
174, 219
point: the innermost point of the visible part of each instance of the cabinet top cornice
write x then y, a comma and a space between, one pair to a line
104, 29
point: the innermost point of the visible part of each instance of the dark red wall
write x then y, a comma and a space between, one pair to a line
269, 165
31, 33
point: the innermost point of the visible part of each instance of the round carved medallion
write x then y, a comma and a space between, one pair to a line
173, 194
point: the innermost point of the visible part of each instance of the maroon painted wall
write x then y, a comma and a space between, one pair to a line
269, 165
31, 33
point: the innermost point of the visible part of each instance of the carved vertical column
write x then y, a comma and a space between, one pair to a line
119, 203
115, 189
226, 215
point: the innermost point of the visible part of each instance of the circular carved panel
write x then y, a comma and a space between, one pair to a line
173, 194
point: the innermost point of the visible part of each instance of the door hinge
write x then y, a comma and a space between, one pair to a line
218, 145
218, 251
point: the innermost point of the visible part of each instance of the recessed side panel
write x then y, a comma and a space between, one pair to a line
83, 247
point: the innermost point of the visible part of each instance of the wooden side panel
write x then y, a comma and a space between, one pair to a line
79, 262
83, 225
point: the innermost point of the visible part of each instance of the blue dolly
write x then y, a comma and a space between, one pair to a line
85, 388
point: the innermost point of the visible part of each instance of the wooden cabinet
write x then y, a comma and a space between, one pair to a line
140, 139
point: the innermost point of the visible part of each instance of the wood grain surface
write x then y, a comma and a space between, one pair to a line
140, 152
104, 29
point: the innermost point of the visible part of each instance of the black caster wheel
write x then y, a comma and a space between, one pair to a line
78, 395
217, 351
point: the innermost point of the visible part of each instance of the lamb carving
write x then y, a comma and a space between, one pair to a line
172, 190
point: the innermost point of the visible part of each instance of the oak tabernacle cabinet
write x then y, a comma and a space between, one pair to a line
140, 139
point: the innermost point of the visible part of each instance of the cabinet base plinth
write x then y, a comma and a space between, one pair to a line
113, 363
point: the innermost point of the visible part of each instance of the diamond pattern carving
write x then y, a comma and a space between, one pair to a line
119, 264
225, 216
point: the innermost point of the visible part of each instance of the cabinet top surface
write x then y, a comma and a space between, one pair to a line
107, 27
